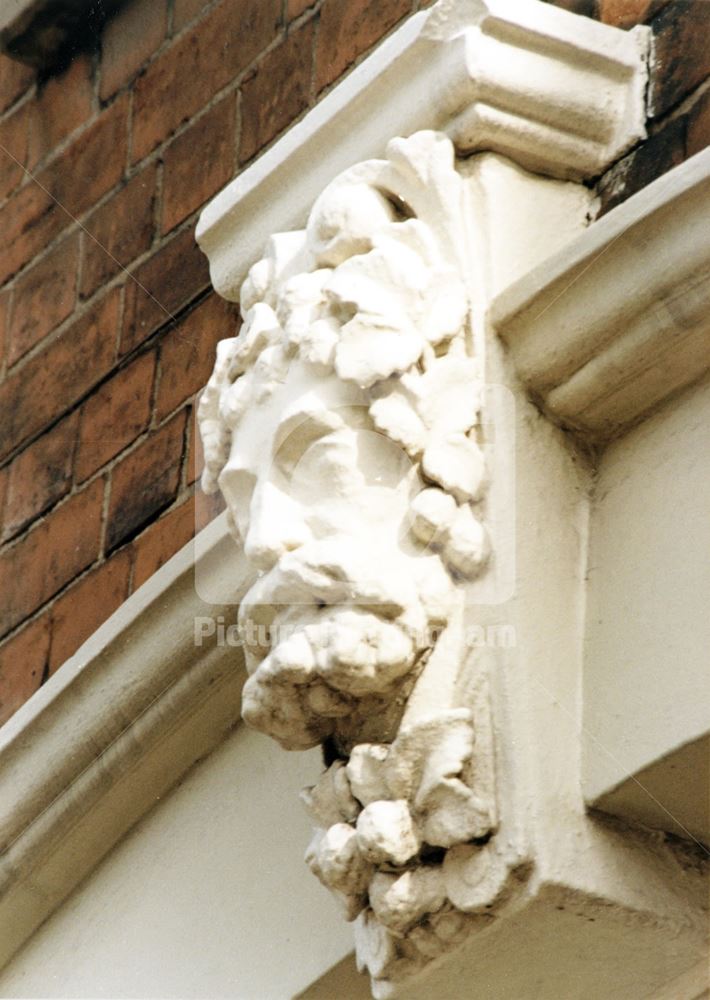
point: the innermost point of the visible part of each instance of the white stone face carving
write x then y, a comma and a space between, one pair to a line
343, 427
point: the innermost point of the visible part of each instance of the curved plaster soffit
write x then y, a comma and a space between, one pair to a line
343, 426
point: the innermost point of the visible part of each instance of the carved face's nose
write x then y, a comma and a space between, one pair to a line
276, 526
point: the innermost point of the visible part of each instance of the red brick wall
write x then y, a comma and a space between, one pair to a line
679, 90
107, 321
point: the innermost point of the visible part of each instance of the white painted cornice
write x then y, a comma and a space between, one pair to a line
559, 94
620, 319
111, 732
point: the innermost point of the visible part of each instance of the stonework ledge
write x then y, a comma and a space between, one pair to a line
114, 730
560, 94
610, 327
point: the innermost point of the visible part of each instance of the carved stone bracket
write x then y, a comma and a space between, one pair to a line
343, 426
346, 426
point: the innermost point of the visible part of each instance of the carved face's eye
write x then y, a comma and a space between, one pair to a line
297, 434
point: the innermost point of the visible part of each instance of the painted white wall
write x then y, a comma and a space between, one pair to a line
207, 897
646, 681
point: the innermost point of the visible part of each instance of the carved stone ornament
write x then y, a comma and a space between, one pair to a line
343, 426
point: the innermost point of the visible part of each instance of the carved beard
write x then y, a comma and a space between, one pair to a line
332, 650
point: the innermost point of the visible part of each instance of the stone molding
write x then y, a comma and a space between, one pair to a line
124, 719
560, 94
634, 327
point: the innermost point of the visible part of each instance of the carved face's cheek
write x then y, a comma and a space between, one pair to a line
238, 487
327, 469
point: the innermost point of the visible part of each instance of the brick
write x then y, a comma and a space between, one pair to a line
15, 79
162, 540
294, 8
348, 30
208, 57
187, 352
186, 11
119, 231
195, 453
41, 123
67, 187
278, 92
5, 301
14, 137
39, 476
114, 416
44, 296
93, 163
63, 103
29, 220
699, 125
23, 659
628, 13
682, 52
86, 605
587, 8
129, 40
190, 179
146, 481
654, 157
207, 508
50, 555
171, 278
54, 379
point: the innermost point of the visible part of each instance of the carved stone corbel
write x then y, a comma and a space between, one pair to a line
345, 427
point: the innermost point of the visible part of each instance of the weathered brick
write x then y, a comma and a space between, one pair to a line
63, 103
587, 8
93, 163
23, 659
162, 540
190, 179
207, 508
682, 54
699, 125
28, 220
86, 605
129, 40
14, 138
195, 453
118, 231
278, 91
5, 301
185, 11
348, 30
654, 157
39, 476
43, 297
628, 13
114, 416
294, 8
67, 187
187, 352
51, 381
173, 276
208, 57
145, 481
50, 555
15, 79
